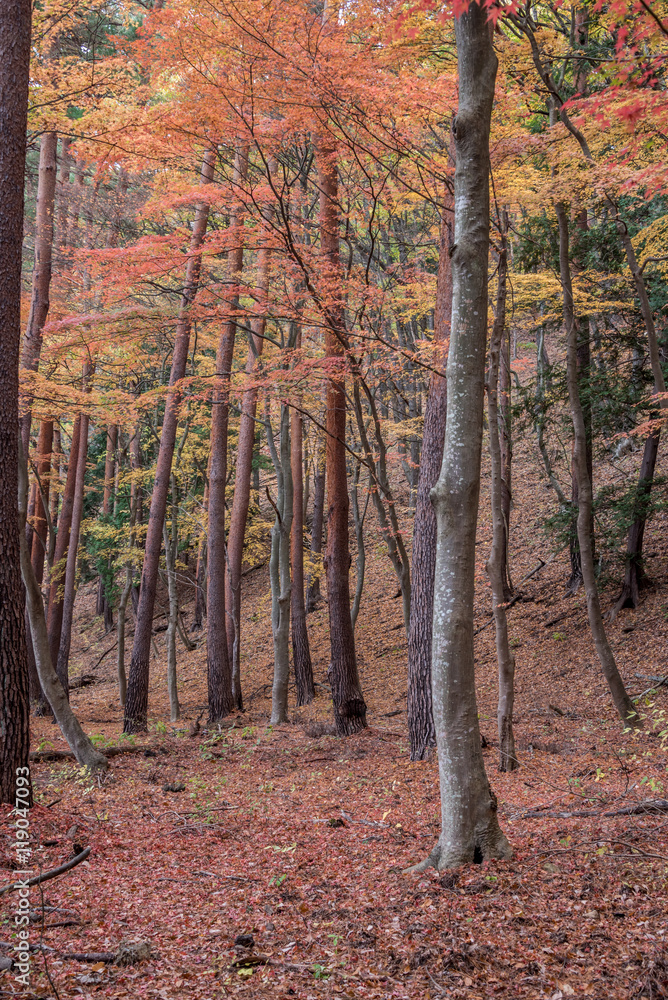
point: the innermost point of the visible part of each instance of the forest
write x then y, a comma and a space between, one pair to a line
333, 513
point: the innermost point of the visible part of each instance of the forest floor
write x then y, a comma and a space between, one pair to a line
300, 841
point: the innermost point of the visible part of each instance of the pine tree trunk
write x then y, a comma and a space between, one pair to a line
421, 730
136, 705
622, 702
222, 694
15, 25
301, 652
348, 701
62, 667
469, 823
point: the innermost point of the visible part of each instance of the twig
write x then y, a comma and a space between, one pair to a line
45, 876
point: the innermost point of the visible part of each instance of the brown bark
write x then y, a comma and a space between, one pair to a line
103, 605
41, 279
54, 489
301, 653
347, 698
506, 444
222, 693
200, 573
63, 192
15, 25
62, 665
242, 479
136, 704
39, 546
421, 730
622, 702
58, 568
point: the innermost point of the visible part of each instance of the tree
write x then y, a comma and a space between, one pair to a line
15, 29
469, 823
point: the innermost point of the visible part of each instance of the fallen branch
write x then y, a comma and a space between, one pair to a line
42, 755
640, 809
45, 876
90, 956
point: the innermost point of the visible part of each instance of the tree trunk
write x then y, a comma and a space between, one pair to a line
421, 730
360, 561
222, 692
15, 26
279, 568
496, 564
200, 572
506, 444
469, 823
348, 701
313, 584
171, 551
103, 603
82, 748
301, 653
54, 502
40, 538
62, 668
623, 703
41, 279
58, 568
136, 705
243, 472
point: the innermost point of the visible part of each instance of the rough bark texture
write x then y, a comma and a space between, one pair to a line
15, 24
62, 668
242, 479
301, 652
136, 705
41, 279
348, 701
422, 734
58, 569
496, 564
623, 703
223, 696
469, 823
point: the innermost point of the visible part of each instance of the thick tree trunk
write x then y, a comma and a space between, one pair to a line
243, 472
313, 583
82, 748
623, 703
62, 668
496, 564
58, 568
222, 693
301, 652
421, 730
348, 701
136, 705
469, 822
41, 279
15, 26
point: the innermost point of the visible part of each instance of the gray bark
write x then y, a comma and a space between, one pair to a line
469, 824
279, 568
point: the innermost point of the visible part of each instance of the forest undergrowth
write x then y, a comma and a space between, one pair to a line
272, 862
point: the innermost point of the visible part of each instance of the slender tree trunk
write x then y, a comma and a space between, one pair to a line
62, 668
360, 561
279, 569
223, 693
136, 705
40, 538
54, 502
82, 748
301, 653
349, 704
469, 822
171, 551
103, 603
41, 280
15, 27
623, 703
58, 569
313, 583
200, 573
506, 444
421, 730
243, 472
496, 564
